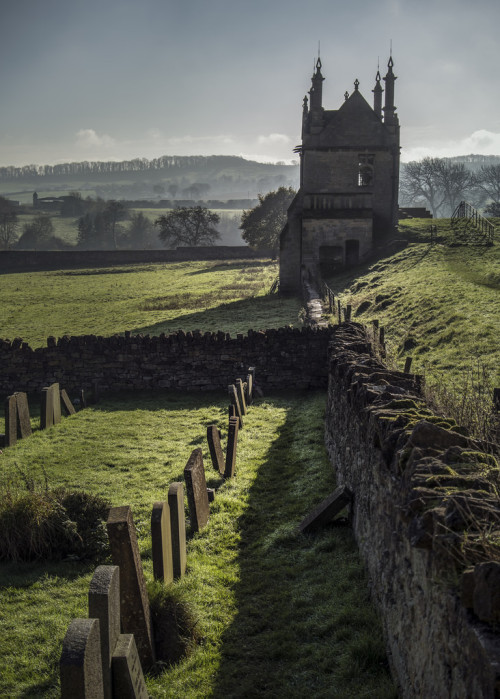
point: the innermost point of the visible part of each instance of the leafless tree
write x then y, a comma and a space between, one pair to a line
8, 224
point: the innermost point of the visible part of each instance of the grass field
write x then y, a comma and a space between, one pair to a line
210, 296
438, 304
279, 614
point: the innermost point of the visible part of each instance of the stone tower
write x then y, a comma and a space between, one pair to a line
349, 178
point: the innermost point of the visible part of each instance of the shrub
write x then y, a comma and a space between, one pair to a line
51, 524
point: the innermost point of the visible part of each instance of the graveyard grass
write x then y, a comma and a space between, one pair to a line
279, 613
150, 299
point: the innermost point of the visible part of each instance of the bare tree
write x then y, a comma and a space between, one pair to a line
419, 184
455, 182
488, 183
8, 224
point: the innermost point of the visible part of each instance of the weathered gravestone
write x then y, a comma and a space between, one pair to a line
326, 510
23, 415
232, 441
10, 421
104, 604
249, 389
80, 665
196, 488
233, 395
161, 538
128, 679
240, 391
231, 410
177, 528
50, 407
134, 602
214, 445
66, 403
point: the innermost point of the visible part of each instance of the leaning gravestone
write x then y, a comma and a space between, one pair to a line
50, 407
177, 528
23, 415
196, 487
249, 390
80, 665
10, 421
104, 604
326, 510
232, 441
134, 601
66, 403
241, 396
161, 538
233, 395
128, 679
214, 445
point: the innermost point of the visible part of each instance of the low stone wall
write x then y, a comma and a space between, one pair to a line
285, 358
11, 260
426, 517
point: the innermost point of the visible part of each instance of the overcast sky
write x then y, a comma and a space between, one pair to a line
119, 79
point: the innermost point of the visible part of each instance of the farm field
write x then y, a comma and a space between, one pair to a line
157, 298
278, 613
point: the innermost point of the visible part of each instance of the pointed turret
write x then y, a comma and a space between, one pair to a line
316, 90
390, 117
377, 95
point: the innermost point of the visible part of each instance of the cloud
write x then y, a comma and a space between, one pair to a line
220, 139
88, 138
274, 139
481, 142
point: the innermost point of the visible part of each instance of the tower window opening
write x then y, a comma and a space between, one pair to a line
365, 169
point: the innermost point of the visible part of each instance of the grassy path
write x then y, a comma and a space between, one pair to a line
280, 614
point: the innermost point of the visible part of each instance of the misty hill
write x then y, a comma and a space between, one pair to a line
474, 162
215, 176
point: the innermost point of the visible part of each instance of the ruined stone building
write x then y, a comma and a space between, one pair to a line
349, 176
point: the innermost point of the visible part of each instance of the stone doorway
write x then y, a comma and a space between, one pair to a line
331, 259
351, 252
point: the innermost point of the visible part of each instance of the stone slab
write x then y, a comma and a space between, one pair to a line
211, 494
80, 666
161, 538
56, 402
232, 442
196, 487
249, 390
326, 510
214, 445
241, 396
134, 602
233, 395
104, 604
23, 415
46, 408
10, 407
177, 528
128, 678
66, 403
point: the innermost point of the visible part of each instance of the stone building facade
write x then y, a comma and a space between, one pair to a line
349, 178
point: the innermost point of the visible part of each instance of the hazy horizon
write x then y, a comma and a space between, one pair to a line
118, 80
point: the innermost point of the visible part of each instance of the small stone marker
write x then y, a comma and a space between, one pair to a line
214, 445
66, 403
211, 494
326, 511
50, 408
241, 396
249, 390
233, 394
161, 537
10, 420
232, 441
128, 679
134, 601
23, 415
196, 487
177, 528
80, 664
83, 399
104, 604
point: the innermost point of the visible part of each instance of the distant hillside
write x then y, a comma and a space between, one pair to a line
474, 162
211, 177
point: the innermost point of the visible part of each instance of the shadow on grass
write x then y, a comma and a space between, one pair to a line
304, 626
242, 263
257, 312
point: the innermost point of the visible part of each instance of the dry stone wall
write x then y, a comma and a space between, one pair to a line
426, 516
191, 361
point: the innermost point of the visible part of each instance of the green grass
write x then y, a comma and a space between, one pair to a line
156, 298
280, 614
438, 304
